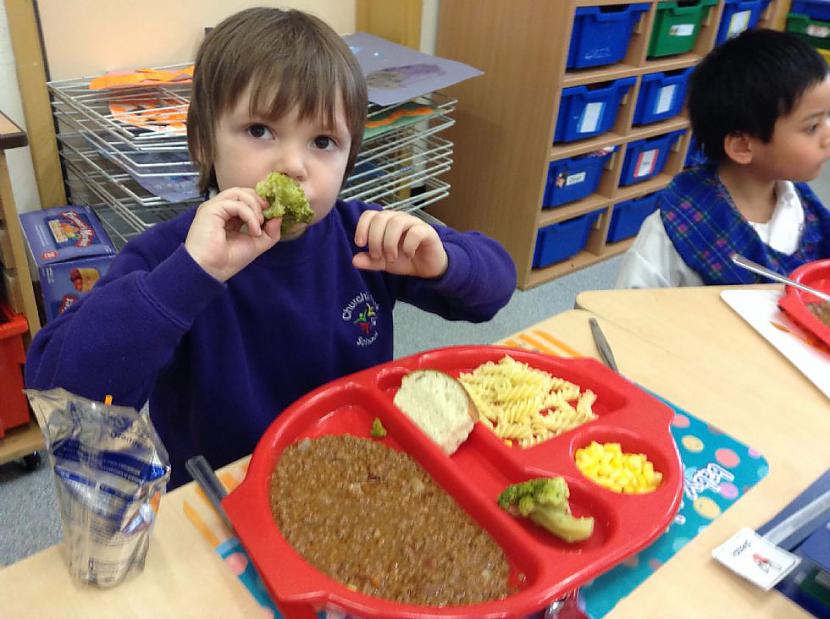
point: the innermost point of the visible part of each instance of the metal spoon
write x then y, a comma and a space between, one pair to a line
749, 265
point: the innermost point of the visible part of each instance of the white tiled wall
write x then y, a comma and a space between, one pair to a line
21, 171
88, 37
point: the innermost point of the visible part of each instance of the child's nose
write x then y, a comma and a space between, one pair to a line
291, 162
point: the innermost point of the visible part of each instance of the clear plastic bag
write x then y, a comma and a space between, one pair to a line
111, 469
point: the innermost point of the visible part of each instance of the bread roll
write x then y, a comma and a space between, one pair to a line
439, 405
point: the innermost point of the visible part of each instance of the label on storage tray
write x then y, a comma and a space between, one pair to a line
574, 179
758, 560
682, 30
738, 23
819, 32
665, 99
591, 117
646, 163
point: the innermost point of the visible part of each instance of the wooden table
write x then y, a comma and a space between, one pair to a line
734, 382
690, 347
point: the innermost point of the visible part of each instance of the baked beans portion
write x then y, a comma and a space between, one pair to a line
371, 518
821, 311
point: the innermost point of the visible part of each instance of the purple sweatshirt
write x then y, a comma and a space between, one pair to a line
218, 362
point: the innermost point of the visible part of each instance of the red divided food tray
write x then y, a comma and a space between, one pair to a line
474, 475
794, 301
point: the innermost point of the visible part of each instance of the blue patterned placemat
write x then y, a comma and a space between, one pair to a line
718, 470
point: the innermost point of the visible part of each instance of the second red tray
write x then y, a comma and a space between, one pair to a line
794, 302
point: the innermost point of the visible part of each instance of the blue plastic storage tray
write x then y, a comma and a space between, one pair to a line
601, 34
739, 15
587, 111
816, 9
560, 241
661, 96
573, 178
645, 159
628, 216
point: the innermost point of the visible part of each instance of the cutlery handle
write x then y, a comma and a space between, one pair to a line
792, 523
203, 475
568, 607
602, 345
749, 265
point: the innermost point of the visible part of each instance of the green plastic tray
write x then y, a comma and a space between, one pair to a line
815, 32
677, 26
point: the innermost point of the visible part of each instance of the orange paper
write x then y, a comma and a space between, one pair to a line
141, 77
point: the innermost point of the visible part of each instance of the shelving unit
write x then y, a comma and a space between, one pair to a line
506, 119
17, 281
21, 441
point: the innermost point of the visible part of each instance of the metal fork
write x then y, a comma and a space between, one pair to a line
749, 265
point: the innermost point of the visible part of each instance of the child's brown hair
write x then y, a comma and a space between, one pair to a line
264, 48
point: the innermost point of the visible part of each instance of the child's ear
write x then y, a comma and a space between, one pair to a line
738, 147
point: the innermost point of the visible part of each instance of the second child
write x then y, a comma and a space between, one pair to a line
759, 107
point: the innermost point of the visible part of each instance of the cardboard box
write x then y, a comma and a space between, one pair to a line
72, 251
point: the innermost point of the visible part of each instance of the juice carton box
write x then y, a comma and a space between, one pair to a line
72, 251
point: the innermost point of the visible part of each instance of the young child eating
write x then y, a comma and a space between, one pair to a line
218, 317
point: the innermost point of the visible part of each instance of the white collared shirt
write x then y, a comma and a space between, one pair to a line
653, 262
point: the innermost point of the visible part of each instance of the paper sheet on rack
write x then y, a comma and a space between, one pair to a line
760, 309
396, 73
141, 77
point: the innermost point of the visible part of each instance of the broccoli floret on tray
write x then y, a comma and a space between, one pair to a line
286, 199
545, 501
377, 431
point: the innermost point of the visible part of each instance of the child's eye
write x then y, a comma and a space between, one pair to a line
324, 142
260, 132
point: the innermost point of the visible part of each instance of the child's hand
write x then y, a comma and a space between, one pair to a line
217, 240
399, 243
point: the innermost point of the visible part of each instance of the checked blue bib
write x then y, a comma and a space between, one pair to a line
706, 228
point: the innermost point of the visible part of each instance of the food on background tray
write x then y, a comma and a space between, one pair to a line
821, 311
377, 431
545, 501
524, 404
439, 405
609, 466
371, 518
286, 199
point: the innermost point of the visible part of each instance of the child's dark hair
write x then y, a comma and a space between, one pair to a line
744, 85
286, 58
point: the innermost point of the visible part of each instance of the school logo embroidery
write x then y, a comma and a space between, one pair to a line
362, 312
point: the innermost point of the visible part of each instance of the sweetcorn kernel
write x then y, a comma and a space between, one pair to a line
609, 466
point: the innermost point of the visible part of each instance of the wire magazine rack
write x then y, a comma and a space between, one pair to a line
124, 152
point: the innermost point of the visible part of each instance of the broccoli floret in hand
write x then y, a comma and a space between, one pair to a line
545, 501
286, 199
